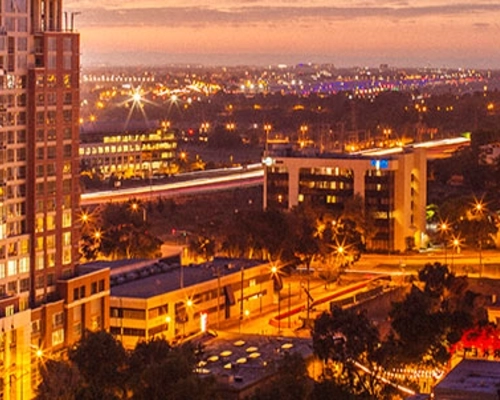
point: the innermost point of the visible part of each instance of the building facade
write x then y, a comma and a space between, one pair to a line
393, 187
39, 194
176, 302
128, 154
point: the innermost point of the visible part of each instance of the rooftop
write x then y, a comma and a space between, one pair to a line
158, 277
244, 360
477, 378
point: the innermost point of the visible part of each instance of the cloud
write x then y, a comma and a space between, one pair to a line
249, 14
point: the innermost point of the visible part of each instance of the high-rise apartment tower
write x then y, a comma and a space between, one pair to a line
45, 304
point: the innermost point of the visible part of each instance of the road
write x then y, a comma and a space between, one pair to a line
228, 180
292, 295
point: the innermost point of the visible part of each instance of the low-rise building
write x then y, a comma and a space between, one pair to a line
163, 298
470, 380
243, 365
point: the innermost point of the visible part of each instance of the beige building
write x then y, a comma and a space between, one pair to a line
162, 298
393, 186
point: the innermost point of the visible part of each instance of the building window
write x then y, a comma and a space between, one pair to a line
11, 268
25, 285
57, 319
66, 219
35, 327
12, 287
67, 255
57, 337
77, 329
24, 266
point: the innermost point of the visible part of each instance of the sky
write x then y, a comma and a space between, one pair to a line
435, 33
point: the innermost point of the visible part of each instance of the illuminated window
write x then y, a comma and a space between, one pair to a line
40, 262
67, 239
57, 337
51, 260
50, 222
66, 219
301, 198
24, 265
331, 199
9, 310
51, 241
11, 268
2, 271
67, 81
51, 80
67, 255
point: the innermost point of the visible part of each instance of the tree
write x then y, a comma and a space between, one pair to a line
101, 361
347, 339
60, 381
291, 382
304, 238
432, 317
100, 368
159, 371
125, 232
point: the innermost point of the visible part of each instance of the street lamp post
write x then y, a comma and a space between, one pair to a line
136, 206
279, 312
267, 129
456, 249
444, 229
479, 208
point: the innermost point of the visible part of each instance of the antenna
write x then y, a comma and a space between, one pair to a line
73, 15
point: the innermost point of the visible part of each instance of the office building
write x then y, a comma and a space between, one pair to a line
39, 194
393, 186
143, 153
162, 298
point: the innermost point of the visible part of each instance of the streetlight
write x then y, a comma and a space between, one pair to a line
267, 129
98, 235
455, 242
480, 209
443, 227
135, 207
278, 285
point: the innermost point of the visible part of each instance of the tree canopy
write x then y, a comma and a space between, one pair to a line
100, 368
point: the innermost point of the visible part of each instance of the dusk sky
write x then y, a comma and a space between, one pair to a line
436, 33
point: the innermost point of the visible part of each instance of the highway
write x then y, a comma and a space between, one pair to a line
230, 178
253, 175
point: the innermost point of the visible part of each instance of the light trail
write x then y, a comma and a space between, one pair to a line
254, 175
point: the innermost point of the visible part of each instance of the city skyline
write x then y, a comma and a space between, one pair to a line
365, 33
